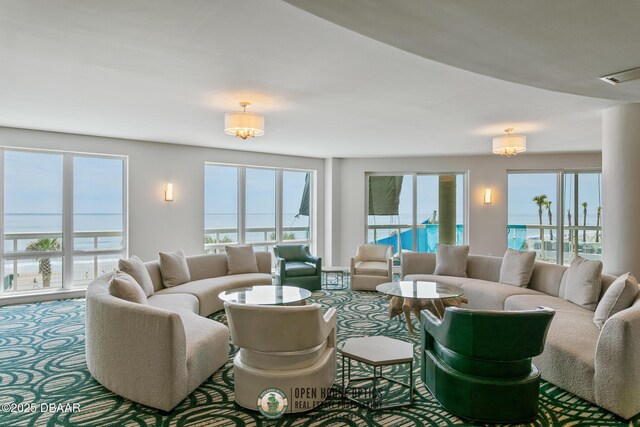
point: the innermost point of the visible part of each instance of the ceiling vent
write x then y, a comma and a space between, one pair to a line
622, 76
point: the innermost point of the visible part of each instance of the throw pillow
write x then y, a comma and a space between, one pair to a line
241, 259
174, 268
517, 267
620, 295
135, 268
583, 283
451, 260
125, 287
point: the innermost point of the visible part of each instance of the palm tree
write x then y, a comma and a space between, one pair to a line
540, 201
598, 215
44, 264
584, 221
547, 205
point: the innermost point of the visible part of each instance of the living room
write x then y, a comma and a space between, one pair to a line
123, 133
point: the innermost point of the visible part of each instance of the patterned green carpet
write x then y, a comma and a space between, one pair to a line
42, 361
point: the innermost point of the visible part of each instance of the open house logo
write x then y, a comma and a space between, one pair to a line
272, 403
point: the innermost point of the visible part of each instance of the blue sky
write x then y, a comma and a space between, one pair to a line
523, 187
33, 183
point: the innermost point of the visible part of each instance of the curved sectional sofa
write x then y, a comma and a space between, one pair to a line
157, 354
601, 366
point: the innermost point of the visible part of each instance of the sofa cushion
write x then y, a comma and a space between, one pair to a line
373, 252
174, 268
517, 267
583, 282
620, 295
451, 260
372, 268
299, 269
485, 295
125, 287
135, 268
176, 302
241, 259
207, 290
568, 359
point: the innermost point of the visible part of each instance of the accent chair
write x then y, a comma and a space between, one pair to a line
372, 265
477, 364
291, 348
297, 267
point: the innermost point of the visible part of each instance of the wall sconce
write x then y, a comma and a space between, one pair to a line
168, 193
487, 196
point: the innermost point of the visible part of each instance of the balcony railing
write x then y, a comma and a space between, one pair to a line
89, 246
217, 235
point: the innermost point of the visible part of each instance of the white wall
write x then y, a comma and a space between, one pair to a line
154, 224
487, 224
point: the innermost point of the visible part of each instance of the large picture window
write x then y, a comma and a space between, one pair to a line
415, 212
256, 206
63, 218
556, 214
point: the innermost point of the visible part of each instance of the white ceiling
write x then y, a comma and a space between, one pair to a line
168, 71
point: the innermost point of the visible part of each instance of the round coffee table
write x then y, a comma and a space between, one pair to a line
414, 296
265, 295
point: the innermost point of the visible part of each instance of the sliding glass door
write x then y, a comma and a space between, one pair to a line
556, 214
415, 212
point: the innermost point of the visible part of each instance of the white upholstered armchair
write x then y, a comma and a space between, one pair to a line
292, 348
371, 266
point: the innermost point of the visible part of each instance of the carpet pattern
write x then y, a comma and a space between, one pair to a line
42, 362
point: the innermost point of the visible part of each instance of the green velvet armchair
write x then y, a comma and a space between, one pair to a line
297, 267
477, 364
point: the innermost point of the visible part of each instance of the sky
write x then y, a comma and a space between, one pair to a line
33, 183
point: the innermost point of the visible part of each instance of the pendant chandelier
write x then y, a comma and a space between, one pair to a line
242, 124
509, 145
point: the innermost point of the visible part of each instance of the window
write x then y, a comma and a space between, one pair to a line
556, 221
256, 206
415, 212
63, 219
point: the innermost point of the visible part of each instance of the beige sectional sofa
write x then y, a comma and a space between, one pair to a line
157, 354
601, 366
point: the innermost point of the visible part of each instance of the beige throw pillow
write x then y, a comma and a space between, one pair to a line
451, 260
517, 267
620, 295
135, 268
174, 268
241, 259
583, 282
125, 287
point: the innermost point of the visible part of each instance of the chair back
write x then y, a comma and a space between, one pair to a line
276, 328
292, 252
370, 252
495, 335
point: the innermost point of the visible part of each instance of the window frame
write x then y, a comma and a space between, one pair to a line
414, 200
241, 171
560, 206
68, 252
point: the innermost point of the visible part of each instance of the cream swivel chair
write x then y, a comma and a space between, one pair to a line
371, 266
292, 348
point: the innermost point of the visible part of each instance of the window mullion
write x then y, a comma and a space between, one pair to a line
242, 174
279, 213
67, 221
2, 229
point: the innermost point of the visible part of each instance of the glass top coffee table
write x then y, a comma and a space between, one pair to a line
414, 296
265, 295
